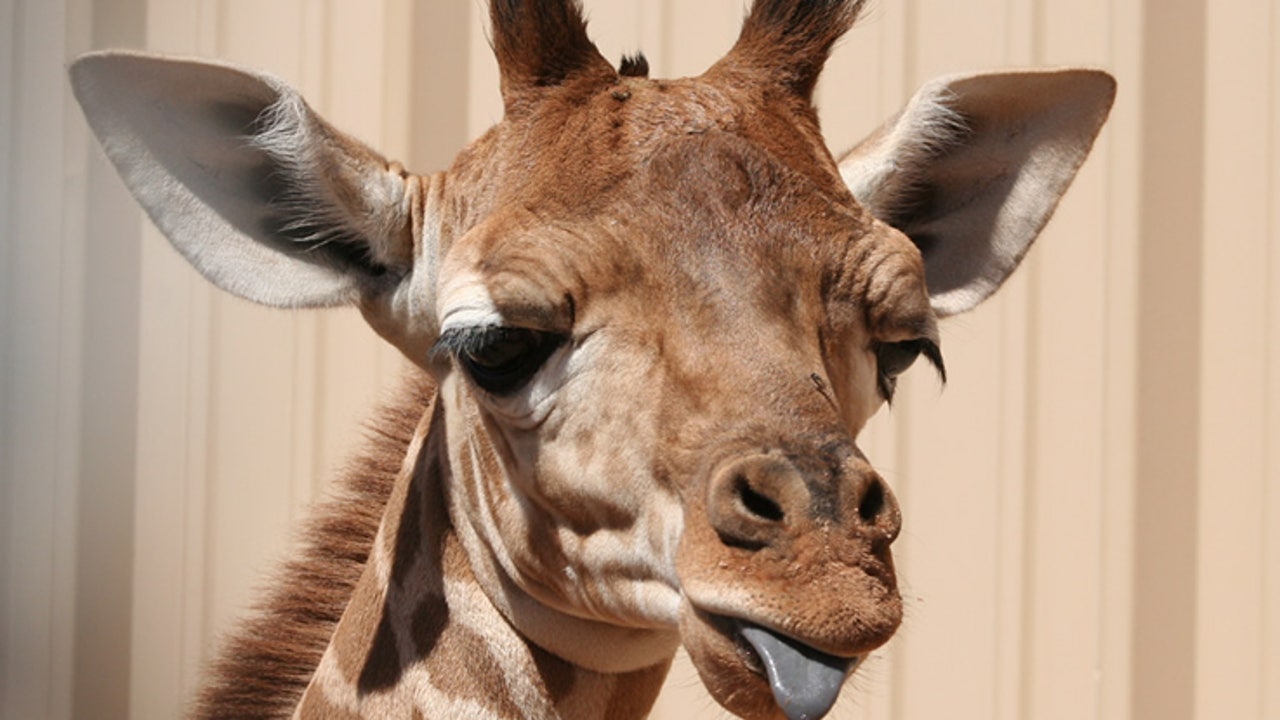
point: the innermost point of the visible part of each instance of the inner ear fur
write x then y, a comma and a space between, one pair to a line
973, 168
261, 195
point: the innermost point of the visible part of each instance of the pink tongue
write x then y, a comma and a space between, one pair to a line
805, 682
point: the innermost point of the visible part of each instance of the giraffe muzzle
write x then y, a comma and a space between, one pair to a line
788, 577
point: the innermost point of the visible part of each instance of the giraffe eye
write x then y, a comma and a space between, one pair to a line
500, 360
893, 359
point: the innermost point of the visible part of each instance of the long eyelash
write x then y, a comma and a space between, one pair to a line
931, 352
458, 341
887, 386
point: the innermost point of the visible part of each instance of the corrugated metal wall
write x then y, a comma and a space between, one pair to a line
1093, 504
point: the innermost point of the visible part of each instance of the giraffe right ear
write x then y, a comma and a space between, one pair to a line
261, 195
974, 167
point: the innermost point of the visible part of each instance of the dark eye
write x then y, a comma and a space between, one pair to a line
500, 360
893, 359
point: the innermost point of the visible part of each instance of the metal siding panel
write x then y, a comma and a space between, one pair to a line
1233, 422
44, 231
1271, 558
699, 34
1068, 408
1170, 231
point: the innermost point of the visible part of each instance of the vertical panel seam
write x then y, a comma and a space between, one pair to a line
1102, 430
7, 142
1031, 440
1105, 443
51, 532
75, 23
1265, 622
66, 412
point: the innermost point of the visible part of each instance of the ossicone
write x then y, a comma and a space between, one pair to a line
787, 42
541, 44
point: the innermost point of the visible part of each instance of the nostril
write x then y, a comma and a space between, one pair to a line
872, 502
755, 503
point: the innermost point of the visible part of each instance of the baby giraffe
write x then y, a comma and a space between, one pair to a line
649, 319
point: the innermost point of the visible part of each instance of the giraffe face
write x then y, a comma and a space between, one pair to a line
655, 383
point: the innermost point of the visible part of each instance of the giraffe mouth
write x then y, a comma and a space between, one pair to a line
758, 672
805, 681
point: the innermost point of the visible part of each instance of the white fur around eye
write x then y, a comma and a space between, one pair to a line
465, 303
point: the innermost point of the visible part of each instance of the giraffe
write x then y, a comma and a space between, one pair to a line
648, 320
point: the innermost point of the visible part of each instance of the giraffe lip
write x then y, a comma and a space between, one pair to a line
805, 681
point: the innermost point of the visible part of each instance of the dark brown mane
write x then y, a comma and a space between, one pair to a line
263, 668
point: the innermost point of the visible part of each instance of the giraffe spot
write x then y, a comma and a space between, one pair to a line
464, 666
556, 674
429, 623
382, 668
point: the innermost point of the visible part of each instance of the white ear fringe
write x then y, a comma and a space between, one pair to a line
886, 175
334, 188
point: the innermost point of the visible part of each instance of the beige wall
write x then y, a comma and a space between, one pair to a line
1093, 504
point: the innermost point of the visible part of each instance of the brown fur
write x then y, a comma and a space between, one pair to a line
790, 40
264, 667
542, 44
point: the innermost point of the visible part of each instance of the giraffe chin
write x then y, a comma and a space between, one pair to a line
758, 674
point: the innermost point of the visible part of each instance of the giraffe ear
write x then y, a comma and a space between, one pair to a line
974, 167
259, 193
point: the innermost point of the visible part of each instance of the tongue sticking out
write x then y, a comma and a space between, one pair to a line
805, 682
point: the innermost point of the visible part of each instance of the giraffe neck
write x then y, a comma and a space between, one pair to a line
420, 638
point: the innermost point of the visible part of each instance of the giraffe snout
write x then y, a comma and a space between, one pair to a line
767, 500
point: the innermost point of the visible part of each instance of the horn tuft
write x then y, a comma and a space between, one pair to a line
542, 44
790, 40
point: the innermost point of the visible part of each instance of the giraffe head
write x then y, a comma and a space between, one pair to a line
659, 312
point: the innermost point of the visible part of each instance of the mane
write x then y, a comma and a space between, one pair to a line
263, 668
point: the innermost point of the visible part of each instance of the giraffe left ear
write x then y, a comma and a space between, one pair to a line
261, 195
974, 167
